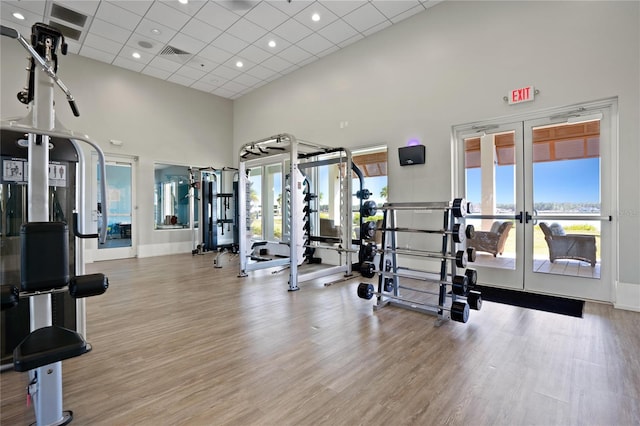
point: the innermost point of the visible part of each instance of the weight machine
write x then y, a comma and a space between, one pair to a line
299, 157
42, 256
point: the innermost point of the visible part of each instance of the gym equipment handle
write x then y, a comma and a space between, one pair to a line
77, 232
9, 32
74, 107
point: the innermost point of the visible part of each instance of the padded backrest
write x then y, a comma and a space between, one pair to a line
546, 230
495, 226
44, 262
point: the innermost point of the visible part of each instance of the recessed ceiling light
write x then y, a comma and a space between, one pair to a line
239, 64
272, 43
315, 17
145, 44
155, 31
183, 1
18, 15
136, 55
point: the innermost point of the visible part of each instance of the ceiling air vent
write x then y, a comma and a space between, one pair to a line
66, 31
176, 55
68, 15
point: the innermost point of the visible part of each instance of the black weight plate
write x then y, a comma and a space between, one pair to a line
365, 291
460, 311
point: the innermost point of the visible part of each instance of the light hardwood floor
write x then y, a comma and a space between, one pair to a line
176, 341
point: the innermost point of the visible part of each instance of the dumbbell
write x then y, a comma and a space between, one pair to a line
363, 194
474, 299
368, 269
369, 208
368, 230
460, 207
459, 310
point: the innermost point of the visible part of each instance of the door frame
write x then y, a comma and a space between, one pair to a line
609, 186
97, 254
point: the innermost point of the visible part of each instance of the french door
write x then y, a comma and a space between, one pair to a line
119, 206
542, 191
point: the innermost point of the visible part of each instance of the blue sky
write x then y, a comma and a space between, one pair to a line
574, 181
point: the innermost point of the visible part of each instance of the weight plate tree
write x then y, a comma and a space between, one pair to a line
444, 293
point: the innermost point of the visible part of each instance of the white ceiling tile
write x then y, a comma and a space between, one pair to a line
139, 43
276, 64
213, 80
337, 32
223, 92
156, 72
407, 13
261, 72
164, 64
307, 61
260, 84
215, 54
350, 40
246, 64
139, 7
229, 43
191, 8
165, 15
30, 18
226, 72
35, 7
102, 43
246, 30
266, 16
200, 63
364, 17
240, 7
86, 7
156, 31
430, 3
191, 73
118, 16
376, 28
255, 54
247, 80
96, 54
179, 79
315, 43
343, 7
218, 16
281, 43
292, 31
127, 52
73, 46
291, 8
110, 31
328, 51
391, 8
203, 86
233, 86
290, 69
200, 30
294, 54
186, 43
128, 64
326, 16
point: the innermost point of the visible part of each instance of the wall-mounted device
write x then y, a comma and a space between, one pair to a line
411, 155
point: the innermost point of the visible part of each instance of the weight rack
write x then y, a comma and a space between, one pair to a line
452, 290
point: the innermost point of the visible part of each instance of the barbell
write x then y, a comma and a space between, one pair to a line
458, 232
459, 310
461, 257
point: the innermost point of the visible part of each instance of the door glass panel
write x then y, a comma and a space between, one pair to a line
119, 208
566, 182
490, 174
272, 207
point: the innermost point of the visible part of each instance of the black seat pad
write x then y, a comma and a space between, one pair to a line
47, 345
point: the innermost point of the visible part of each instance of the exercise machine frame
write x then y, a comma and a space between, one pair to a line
301, 155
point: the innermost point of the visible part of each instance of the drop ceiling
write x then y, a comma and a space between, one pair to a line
200, 44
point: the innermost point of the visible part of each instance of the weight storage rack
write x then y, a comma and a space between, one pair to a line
444, 293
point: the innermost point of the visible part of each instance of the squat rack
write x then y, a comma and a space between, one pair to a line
301, 155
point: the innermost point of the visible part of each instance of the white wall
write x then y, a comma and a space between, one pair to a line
156, 120
453, 64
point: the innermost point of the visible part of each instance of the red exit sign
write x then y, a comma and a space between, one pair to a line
524, 94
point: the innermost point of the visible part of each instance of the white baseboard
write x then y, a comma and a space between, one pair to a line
627, 296
151, 250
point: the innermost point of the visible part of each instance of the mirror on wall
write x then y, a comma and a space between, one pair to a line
171, 196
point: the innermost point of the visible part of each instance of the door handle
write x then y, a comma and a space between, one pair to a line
527, 217
519, 217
